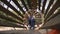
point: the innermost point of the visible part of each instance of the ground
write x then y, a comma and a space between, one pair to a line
20, 32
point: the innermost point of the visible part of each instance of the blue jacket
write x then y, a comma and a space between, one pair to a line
31, 21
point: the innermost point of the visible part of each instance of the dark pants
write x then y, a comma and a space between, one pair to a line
32, 23
32, 26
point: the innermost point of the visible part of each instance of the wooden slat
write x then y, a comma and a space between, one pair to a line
19, 6
10, 25
4, 17
43, 7
28, 2
9, 5
39, 3
54, 15
9, 13
24, 4
50, 3
53, 9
